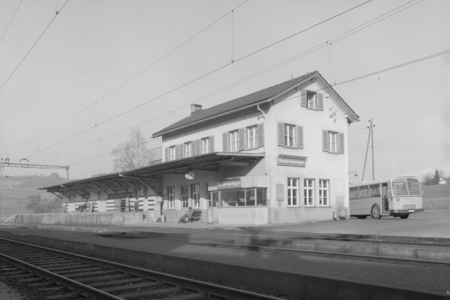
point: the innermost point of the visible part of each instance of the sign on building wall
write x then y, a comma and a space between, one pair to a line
229, 184
291, 161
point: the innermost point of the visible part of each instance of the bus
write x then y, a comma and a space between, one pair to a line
398, 197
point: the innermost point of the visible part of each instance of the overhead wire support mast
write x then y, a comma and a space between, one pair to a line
33, 166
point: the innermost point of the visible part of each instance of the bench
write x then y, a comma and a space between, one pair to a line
196, 216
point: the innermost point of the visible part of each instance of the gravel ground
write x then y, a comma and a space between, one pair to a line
9, 293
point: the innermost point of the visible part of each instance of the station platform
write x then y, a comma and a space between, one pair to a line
183, 249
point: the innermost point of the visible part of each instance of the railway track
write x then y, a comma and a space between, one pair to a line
52, 274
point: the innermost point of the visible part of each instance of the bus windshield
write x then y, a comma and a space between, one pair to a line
406, 187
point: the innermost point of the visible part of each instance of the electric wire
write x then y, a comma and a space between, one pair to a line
7, 26
32, 47
309, 51
131, 78
347, 81
204, 75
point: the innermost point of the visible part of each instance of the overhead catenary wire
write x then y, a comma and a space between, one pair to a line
32, 47
307, 52
9, 23
347, 81
203, 76
129, 79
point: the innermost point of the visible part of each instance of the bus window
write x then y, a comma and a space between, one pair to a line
363, 191
354, 193
399, 188
413, 187
374, 190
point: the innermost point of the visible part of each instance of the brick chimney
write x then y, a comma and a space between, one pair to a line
195, 108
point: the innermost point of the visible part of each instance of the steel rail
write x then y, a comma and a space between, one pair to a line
211, 288
84, 289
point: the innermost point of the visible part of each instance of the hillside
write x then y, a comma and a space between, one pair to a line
14, 200
32, 181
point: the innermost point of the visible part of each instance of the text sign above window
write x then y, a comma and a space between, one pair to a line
228, 184
292, 161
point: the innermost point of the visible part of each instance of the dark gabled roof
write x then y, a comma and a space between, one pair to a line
245, 101
236, 103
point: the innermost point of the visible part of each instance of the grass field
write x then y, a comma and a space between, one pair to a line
14, 200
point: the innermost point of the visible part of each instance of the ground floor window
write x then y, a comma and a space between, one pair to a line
195, 195
243, 197
171, 197
324, 192
292, 191
309, 192
185, 196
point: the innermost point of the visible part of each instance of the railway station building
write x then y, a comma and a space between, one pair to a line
278, 155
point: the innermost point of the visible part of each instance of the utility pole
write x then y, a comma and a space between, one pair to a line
370, 139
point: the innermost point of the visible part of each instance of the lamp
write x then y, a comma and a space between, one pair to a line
356, 174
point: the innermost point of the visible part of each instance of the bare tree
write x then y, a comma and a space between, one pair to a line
131, 154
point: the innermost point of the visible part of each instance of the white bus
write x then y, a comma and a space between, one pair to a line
398, 197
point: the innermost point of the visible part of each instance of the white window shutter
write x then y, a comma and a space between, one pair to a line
225, 142
340, 142
211, 144
319, 101
260, 130
299, 139
325, 140
280, 134
303, 98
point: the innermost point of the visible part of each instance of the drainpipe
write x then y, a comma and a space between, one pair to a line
266, 158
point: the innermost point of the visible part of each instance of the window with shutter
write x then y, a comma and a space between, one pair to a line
205, 145
234, 141
252, 137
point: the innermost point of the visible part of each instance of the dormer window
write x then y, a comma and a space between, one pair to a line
311, 100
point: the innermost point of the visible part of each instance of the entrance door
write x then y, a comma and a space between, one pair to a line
385, 196
214, 206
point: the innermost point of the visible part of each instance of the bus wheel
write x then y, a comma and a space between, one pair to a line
376, 212
405, 216
361, 217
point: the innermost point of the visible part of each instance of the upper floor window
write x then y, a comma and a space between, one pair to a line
332, 142
205, 145
172, 153
251, 137
188, 149
234, 141
290, 135
311, 100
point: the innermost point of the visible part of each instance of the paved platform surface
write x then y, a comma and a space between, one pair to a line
177, 240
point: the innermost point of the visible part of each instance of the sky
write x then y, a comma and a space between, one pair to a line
73, 83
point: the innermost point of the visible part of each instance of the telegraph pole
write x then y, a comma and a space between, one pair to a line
369, 140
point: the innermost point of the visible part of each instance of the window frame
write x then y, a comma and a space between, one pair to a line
252, 135
195, 201
185, 196
286, 135
205, 149
172, 153
290, 189
324, 189
235, 143
187, 149
311, 189
171, 197
333, 141
311, 98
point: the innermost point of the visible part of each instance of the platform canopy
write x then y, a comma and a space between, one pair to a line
151, 176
